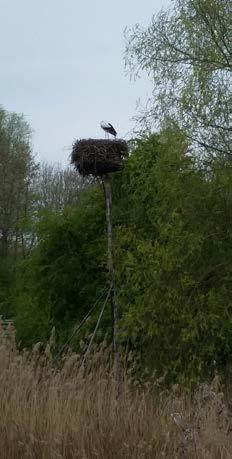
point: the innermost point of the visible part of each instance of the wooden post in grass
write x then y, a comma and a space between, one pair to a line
110, 266
100, 157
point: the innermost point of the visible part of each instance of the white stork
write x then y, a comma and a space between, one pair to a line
108, 128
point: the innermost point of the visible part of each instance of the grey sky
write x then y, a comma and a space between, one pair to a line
62, 66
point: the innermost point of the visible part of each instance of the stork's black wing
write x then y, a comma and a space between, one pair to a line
111, 130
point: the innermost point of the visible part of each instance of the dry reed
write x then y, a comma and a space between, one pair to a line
73, 412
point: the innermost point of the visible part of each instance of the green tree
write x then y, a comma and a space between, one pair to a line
173, 258
17, 169
57, 187
60, 281
186, 50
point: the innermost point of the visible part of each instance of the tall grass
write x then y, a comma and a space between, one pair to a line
73, 411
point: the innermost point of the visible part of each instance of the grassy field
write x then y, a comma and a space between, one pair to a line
75, 412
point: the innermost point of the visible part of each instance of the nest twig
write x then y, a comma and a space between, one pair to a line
98, 156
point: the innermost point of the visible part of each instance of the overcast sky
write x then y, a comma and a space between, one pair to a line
62, 66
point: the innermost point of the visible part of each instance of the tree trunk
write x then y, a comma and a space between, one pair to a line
4, 244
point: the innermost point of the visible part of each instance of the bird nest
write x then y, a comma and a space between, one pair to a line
98, 156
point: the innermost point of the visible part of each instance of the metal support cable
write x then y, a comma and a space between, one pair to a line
97, 324
77, 328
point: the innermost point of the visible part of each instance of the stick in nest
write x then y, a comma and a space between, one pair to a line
98, 156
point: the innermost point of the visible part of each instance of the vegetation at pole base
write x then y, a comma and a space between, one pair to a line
74, 411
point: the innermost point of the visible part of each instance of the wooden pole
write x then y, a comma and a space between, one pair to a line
110, 266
